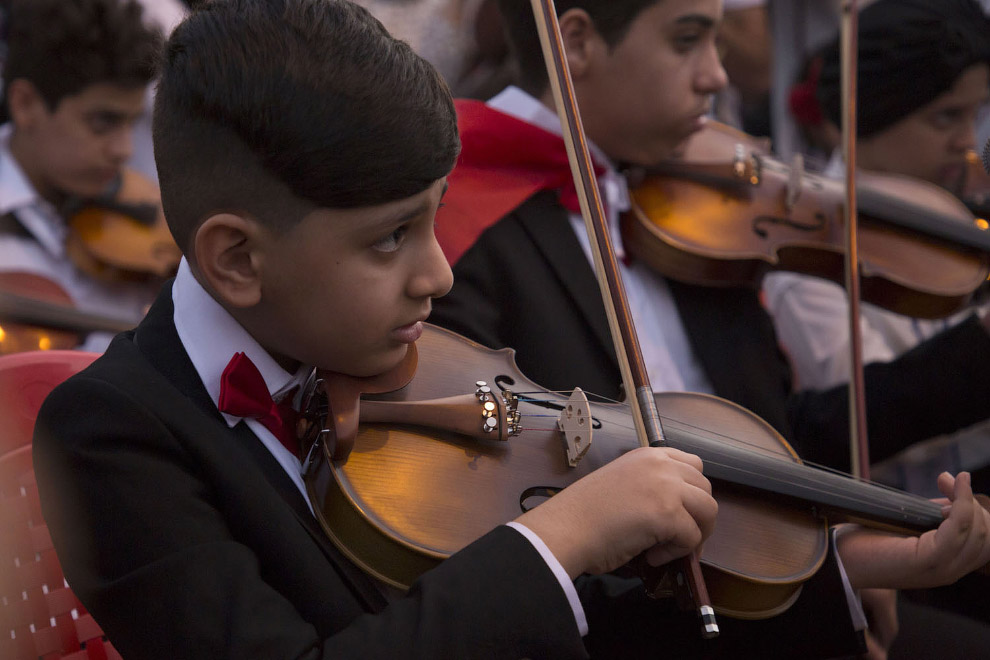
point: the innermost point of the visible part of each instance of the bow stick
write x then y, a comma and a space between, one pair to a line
858, 443
627, 348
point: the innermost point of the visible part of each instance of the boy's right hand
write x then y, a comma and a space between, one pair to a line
651, 499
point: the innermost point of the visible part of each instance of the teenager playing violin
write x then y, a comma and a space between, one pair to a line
924, 75
74, 82
644, 74
302, 155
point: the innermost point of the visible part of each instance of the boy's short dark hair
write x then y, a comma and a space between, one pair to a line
64, 46
612, 19
276, 107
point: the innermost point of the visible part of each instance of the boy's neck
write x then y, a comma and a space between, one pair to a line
244, 318
21, 151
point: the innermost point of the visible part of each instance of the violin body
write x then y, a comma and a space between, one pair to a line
18, 336
409, 495
726, 213
125, 236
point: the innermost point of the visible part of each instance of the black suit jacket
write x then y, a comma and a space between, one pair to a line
527, 284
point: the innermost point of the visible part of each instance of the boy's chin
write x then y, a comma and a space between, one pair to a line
381, 366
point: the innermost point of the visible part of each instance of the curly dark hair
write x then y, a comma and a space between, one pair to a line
612, 19
64, 46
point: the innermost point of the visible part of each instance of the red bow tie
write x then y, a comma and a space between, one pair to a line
243, 393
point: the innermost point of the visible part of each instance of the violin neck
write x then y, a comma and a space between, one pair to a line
16, 308
903, 213
837, 496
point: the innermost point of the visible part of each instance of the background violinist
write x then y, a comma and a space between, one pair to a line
644, 75
923, 81
74, 84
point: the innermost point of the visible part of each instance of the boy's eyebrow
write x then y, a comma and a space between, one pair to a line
700, 20
405, 216
113, 116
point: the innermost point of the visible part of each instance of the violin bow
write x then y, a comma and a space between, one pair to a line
627, 347
858, 442
16, 308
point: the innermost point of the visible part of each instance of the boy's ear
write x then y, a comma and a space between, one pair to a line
227, 251
26, 105
582, 43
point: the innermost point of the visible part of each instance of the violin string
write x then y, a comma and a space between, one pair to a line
815, 482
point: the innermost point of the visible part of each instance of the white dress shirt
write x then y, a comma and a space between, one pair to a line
211, 337
670, 361
43, 253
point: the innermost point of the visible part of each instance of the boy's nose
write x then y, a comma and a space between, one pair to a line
965, 138
120, 145
711, 77
433, 278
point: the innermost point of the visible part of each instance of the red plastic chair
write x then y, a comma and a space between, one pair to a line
40, 617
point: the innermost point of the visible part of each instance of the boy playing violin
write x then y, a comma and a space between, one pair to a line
302, 155
74, 84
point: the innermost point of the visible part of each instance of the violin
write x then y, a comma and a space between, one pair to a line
726, 212
37, 314
18, 334
122, 236
423, 465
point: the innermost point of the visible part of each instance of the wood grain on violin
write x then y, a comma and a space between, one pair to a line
123, 236
410, 493
725, 212
37, 314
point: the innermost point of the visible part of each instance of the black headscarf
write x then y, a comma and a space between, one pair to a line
910, 51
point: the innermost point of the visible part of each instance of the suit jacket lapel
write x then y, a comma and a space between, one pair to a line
158, 340
548, 226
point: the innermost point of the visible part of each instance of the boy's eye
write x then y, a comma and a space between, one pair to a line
102, 123
948, 118
392, 242
686, 40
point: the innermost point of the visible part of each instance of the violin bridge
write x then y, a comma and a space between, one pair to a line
575, 423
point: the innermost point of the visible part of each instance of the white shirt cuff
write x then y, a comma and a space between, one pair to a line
559, 573
852, 598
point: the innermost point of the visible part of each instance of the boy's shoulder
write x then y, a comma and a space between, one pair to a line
143, 370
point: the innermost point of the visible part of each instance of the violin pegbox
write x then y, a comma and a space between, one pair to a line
490, 410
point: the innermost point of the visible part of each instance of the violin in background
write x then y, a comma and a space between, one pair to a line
36, 314
122, 236
726, 211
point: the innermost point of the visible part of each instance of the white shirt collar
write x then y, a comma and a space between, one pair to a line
615, 191
18, 196
211, 337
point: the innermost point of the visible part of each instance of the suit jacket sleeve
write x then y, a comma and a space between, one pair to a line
175, 559
939, 386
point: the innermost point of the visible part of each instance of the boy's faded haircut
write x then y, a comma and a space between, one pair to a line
62, 47
272, 108
612, 19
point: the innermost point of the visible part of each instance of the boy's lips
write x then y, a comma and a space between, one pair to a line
409, 333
